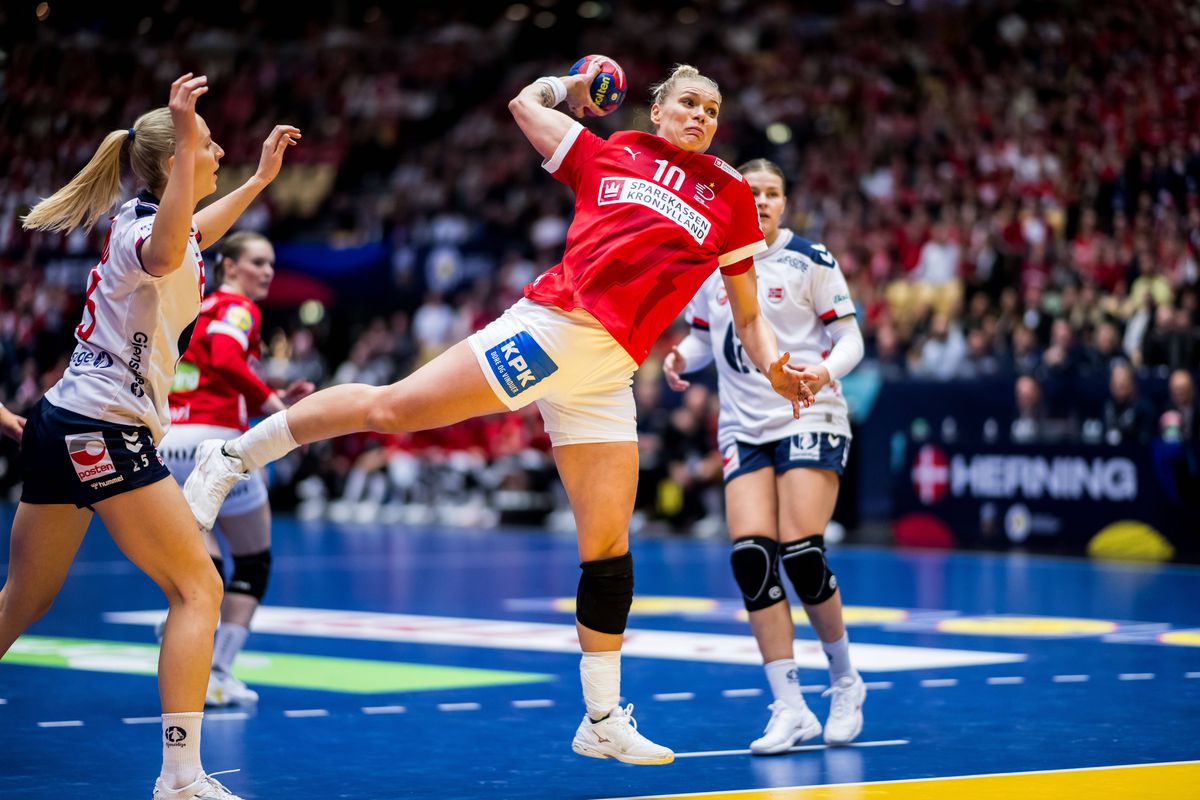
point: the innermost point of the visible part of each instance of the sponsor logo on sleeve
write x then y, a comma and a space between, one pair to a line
89, 455
519, 363
718, 162
239, 317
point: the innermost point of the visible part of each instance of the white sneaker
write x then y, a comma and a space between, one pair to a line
226, 690
845, 709
213, 476
616, 736
786, 727
206, 787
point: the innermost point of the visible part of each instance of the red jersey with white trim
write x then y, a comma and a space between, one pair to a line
652, 222
214, 384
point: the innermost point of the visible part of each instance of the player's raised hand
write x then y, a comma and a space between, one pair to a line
579, 94
673, 366
792, 383
184, 93
281, 138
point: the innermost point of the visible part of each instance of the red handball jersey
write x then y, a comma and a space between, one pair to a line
652, 222
214, 384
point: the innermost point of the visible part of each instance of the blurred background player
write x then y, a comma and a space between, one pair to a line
214, 391
90, 444
781, 473
654, 218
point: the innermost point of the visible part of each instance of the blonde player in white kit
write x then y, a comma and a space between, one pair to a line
91, 444
782, 473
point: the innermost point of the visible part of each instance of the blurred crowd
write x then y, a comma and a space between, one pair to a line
1012, 189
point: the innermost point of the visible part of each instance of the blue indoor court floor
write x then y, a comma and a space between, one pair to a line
442, 663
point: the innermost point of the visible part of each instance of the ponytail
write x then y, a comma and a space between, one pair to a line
89, 194
97, 187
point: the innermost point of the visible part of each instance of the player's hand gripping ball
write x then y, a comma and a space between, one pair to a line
608, 86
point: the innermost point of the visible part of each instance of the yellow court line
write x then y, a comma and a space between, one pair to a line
1169, 781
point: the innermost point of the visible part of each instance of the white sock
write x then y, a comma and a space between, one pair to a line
785, 682
230, 640
838, 654
601, 677
181, 748
267, 441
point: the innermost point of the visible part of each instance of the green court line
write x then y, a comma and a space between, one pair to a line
359, 676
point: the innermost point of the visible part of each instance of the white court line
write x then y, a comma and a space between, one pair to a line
1071, 678
459, 706
140, 720
226, 716
938, 683
300, 713
1186, 675
744, 692
800, 749
3, 702
1006, 681
532, 703
1136, 676
879, 684
66, 723
667, 697
844, 786
816, 687
384, 709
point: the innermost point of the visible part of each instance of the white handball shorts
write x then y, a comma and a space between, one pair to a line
178, 449
567, 363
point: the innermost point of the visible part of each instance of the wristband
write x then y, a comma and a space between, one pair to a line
557, 88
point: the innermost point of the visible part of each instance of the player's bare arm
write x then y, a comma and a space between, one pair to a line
215, 221
761, 346
534, 109
163, 251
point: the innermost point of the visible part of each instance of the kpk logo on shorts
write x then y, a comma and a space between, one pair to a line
89, 455
519, 362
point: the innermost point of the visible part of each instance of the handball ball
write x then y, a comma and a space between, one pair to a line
608, 87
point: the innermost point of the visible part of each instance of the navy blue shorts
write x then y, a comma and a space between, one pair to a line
69, 458
826, 451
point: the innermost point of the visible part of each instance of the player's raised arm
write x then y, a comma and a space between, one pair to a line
534, 108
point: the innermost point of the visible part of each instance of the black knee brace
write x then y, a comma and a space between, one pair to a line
805, 565
756, 570
250, 574
605, 594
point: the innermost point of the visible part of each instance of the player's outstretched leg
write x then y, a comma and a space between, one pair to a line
419, 402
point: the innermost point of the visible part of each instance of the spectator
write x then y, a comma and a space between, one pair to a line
1128, 419
943, 352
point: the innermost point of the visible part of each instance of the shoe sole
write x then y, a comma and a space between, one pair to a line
811, 732
592, 752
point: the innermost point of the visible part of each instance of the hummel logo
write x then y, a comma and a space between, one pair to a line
131, 441
632, 154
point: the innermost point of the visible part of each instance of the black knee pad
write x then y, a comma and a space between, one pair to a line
756, 570
806, 567
250, 574
605, 594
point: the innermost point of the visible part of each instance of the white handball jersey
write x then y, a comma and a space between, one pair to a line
134, 327
801, 290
